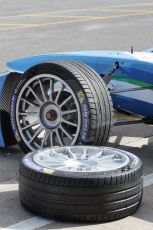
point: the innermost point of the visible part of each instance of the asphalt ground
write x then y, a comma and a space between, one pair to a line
29, 27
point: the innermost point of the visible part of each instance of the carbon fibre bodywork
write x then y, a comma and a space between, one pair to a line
3, 78
131, 86
8, 80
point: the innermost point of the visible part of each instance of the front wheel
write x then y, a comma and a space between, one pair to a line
59, 104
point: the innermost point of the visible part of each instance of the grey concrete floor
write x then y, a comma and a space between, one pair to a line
29, 27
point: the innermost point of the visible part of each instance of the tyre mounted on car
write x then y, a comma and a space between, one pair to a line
58, 104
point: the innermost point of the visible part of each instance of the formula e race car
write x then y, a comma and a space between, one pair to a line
68, 98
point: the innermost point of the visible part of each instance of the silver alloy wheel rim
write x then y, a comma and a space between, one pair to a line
47, 112
81, 159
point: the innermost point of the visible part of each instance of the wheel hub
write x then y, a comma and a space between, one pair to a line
50, 116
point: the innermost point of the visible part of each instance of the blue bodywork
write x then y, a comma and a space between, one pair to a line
131, 86
136, 70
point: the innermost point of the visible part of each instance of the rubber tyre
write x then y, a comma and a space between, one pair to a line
93, 97
81, 196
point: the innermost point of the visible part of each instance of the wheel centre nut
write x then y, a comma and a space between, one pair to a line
51, 115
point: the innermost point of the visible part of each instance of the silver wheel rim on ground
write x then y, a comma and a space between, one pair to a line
81, 159
47, 112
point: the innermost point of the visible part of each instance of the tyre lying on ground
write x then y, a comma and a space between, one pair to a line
81, 183
59, 104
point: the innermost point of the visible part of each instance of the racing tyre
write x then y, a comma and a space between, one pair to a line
60, 104
81, 183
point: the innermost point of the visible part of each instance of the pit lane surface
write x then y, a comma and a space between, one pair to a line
34, 27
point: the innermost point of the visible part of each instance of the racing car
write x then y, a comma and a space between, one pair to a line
68, 98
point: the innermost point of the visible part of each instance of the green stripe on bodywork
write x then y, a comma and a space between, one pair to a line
131, 81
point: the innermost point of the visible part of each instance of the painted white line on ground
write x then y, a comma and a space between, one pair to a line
30, 224
8, 187
148, 180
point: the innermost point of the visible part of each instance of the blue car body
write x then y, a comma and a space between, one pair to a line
131, 86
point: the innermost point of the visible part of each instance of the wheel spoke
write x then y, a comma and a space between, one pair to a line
66, 132
51, 91
59, 93
27, 113
71, 153
97, 155
107, 158
59, 138
51, 139
42, 90
59, 155
69, 111
31, 125
69, 123
28, 102
45, 136
37, 98
65, 101
84, 155
36, 134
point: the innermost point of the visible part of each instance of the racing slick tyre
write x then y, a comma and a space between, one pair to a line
81, 183
59, 104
